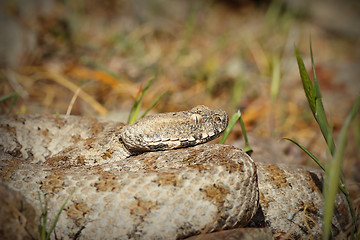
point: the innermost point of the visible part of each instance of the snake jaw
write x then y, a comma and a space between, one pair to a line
157, 132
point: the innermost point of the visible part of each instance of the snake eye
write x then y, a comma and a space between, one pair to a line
196, 118
217, 119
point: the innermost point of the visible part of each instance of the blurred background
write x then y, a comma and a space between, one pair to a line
233, 54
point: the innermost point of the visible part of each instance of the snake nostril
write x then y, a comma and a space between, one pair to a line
218, 119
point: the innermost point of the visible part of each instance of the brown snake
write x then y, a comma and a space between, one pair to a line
148, 180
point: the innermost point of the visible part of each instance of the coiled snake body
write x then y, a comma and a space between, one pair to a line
148, 180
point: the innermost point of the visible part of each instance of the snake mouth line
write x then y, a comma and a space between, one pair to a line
194, 138
171, 144
174, 130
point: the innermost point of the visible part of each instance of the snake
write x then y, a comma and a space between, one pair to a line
157, 178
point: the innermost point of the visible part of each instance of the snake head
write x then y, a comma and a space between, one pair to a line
174, 130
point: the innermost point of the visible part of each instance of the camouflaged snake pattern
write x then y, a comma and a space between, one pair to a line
125, 189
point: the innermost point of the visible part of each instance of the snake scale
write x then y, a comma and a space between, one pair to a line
153, 179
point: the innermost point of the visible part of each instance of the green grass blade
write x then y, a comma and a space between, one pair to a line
230, 126
320, 115
137, 103
247, 147
332, 177
316, 82
275, 77
330, 191
3, 98
313, 95
308, 153
14, 96
58, 215
153, 104
325, 128
232, 122
133, 107
306, 81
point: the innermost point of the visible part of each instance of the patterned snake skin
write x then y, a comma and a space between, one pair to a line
148, 180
